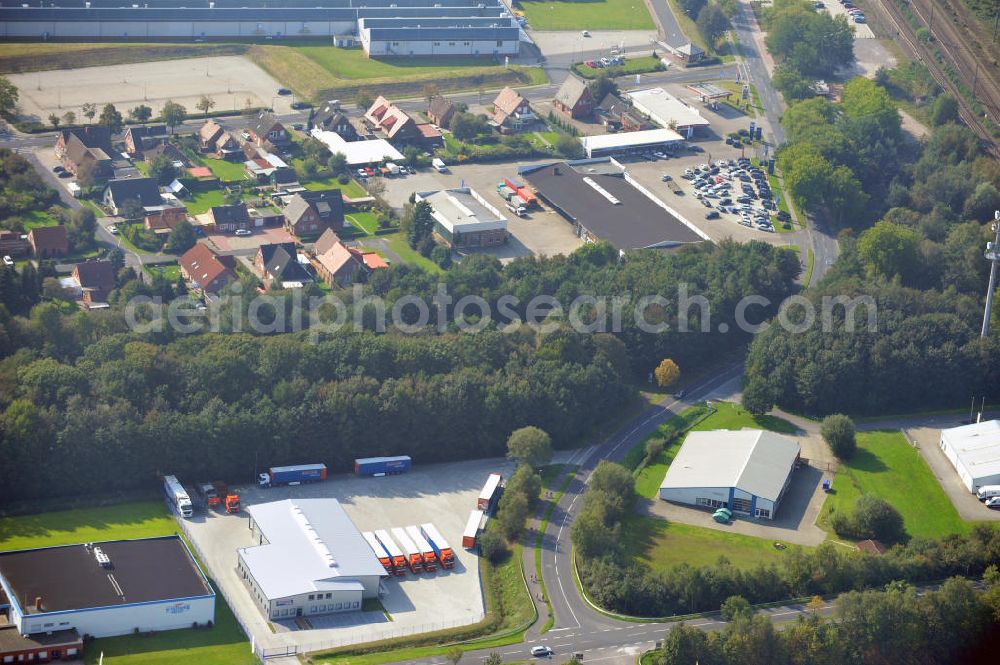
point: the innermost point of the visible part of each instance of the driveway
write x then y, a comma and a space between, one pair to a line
926, 440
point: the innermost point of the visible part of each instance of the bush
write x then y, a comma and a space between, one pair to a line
876, 518
838, 432
735, 607
343, 178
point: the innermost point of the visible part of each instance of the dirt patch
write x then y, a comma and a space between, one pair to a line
17, 57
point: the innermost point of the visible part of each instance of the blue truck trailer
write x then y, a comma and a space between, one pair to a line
288, 475
382, 466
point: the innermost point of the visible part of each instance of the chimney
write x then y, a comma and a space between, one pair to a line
38, 604
555, 170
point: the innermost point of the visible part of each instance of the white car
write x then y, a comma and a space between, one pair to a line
541, 650
113, 230
585, 33
7, 261
243, 232
992, 502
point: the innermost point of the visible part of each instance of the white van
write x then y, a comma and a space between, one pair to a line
988, 491
439, 165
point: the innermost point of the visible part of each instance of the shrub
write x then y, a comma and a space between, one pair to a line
492, 547
876, 518
838, 432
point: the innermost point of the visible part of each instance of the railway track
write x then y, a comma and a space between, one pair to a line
988, 92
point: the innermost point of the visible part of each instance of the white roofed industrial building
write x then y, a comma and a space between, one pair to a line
666, 110
464, 219
358, 153
974, 451
602, 145
311, 559
747, 471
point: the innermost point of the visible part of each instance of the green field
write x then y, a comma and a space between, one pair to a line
144, 519
632, 66
662, 545
200, 202
226, 171
397, 243
170, 271
584, 15
351, 190
887, 466
733, 416
37, 218
364, 221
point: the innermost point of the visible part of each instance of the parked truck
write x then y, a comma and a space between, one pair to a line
414, 559
207, 495
526, 195
398, 558
471, 534
227, 499
379, 550
440, 546
292, 475
491, 493
426, 551
177, 496
382, 466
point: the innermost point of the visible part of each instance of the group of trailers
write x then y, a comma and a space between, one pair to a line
485, 504
419, 549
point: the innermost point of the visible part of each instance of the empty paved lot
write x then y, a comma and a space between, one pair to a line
227, 80
443, 494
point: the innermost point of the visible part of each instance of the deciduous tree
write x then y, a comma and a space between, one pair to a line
530, 446
667, 373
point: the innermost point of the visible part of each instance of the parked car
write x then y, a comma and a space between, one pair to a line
585, 33
57, 169
113, 230
300, 105
284, 91
243, 232
7, 261
712, 215
666, 178
993, 503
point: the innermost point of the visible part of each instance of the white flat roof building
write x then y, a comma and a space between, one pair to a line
601, 145
747, 471
465, 219
311, 559
665, 109
358, 152
974, 451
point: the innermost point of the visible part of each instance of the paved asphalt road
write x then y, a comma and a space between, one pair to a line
670, 29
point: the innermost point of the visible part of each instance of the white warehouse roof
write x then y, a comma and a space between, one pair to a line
977, 447
663, 108
358, 152
463, 210
755, 461
625, 140
312, 545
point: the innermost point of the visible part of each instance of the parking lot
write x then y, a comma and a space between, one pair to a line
443, 494
540, 232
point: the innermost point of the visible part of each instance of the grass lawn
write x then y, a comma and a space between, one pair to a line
308, 70
170, 271
364, 221
887, 466
351, 190
398, 244
810, 261
641, 65
200, 202
733, 416
594, 15
662, 545
226, 171
143, 519
37, 218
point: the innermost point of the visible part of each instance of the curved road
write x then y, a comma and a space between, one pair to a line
579, 628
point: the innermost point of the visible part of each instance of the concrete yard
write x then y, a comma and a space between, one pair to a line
228, 80
443, 494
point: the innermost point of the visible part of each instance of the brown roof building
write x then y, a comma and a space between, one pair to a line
87, 148
331, 118
214, 140
163, 219
207, 271
139, 139
574, 98
511, 111
266, 128
312, 213
278, 264
48, 241
96, 279
441, 111
12, 244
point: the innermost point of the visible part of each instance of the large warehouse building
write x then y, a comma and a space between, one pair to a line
387, 27
464, 219
310, 559
603, 202
974, 451
104, 589
747, 471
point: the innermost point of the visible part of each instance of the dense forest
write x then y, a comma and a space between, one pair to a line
954, 624
79, 391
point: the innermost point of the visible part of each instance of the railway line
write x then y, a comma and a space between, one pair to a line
960, 58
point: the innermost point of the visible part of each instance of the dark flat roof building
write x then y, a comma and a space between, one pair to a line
106, 588
603, 202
